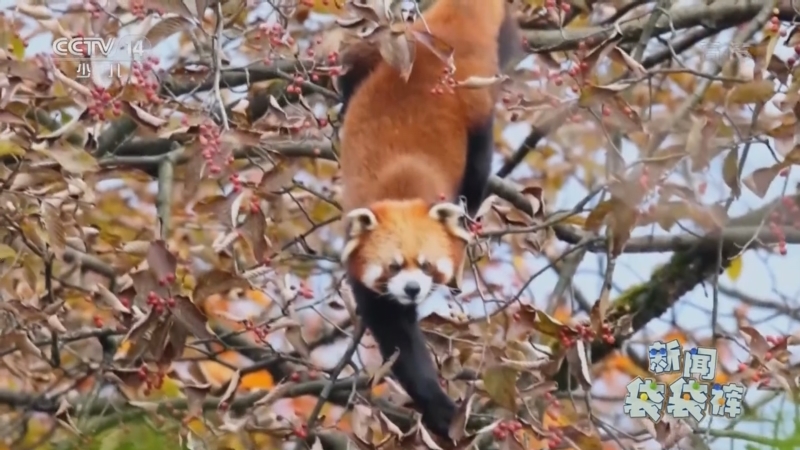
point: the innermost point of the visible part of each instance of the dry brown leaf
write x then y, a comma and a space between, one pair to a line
193, 320
56, 232
166, 28
501, 385
756, 341
162, 263
21, 342
384, 369
294, 335
217, 282
399, 52
69, 158
56, 325
253, 230
143, 117
438, 47
230, 390
756, 91
760, 180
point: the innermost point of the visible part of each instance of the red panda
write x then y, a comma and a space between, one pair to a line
407, 157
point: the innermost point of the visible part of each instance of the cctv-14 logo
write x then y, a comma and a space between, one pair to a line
104, 54
692, 394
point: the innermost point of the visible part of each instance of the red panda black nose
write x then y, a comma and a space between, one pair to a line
412, 289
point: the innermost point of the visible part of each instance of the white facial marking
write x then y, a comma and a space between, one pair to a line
407, 278
445, 267
371, 275
398, 259
421, 260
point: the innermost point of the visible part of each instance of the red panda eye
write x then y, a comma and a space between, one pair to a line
394, 267
426, 266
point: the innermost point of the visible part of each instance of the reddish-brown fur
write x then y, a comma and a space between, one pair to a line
399, 234
403, 150
401, 141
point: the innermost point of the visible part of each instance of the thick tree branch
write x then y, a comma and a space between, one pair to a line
719, 14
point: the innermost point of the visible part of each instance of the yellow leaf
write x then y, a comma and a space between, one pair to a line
6, 252
751, 92
734, 270
17, 47
197, 426
773, 42
328, 6
519, 263
501, 384
170, 388
548, 325
596, 217
8, 148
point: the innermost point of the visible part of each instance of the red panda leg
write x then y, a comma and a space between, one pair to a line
480, 148
395, 326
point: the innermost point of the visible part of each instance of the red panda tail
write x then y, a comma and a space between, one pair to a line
395, 327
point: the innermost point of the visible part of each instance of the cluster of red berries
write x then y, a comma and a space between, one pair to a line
99, 103
553, 6
210, 140
763, 374
167, 280
153, 380
776, 340
333, 59
158, 303
446, 83
275, 34
305, 290
644, 178
553, 407
296, 87
261, 331
606, 110
505, 428
98, 321
587, 333
311, 374
758, 376
140, 76
577, 70
475, 227
301, 431
774, 23
236, 182
792, 212
567, 337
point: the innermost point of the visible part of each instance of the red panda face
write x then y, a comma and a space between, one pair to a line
406, 248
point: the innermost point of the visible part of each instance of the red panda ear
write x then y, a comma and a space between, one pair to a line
358, 221
450, 215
